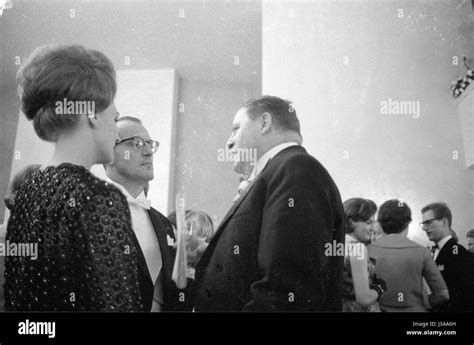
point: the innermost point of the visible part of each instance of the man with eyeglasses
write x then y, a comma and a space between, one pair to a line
453, 260
131, 171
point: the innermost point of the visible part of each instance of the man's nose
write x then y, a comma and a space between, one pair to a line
147, 151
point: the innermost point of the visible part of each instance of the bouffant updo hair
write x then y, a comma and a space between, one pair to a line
54, 73
394, 216
358, 210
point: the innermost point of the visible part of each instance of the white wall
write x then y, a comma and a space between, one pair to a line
215, 48
339, 60
151, 96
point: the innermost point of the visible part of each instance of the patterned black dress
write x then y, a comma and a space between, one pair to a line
86, 255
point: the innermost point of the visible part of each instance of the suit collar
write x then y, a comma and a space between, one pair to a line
207, 254
394, 241
267, 156
280, 150
444, 252
443, 241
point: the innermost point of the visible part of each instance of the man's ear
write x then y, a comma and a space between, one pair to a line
266, 121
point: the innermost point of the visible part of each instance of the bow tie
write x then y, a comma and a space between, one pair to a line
140, 202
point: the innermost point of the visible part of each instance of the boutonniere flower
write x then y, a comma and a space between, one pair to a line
170, 240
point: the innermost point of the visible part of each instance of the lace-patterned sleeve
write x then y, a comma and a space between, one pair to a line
107, 256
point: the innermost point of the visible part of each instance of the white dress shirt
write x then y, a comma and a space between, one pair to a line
144, 231
440, 245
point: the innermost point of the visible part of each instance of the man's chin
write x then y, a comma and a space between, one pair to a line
149, 177
236, 166
147, 173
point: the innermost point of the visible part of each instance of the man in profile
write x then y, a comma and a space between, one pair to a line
454, 261
268, 253
131, 171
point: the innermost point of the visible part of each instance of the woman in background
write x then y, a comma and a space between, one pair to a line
361, 289
81, 225
403, 263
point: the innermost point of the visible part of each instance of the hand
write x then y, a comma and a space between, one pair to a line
379, 285
381, 282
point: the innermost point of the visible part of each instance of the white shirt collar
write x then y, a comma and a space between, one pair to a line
262, 161
443, 241
124, 191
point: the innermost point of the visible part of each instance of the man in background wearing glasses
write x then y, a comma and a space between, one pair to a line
131, 171
453, 260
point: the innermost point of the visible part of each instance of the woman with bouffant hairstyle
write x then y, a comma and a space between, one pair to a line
361, 287
81, 225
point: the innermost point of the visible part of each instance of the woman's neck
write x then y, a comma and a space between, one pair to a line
72, 150
351, 235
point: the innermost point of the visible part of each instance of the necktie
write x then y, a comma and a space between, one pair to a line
433, 249
140, 201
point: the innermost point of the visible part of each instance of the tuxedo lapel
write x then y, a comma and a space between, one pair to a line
207, 254
210, 248
239, 201
235, 206
444, 253
141, 258
160, 231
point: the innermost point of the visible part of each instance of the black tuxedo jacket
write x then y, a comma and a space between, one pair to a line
173, 301
456, 264
268, 253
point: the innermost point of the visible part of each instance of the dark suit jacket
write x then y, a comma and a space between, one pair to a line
268, 252
173, 301
456, 264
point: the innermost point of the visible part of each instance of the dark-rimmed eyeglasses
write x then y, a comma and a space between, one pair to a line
428, 222
139, 143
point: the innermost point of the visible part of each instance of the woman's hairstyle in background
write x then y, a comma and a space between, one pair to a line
17, 181
172, 217
394, 216
358, 210
201, 224
55, 73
